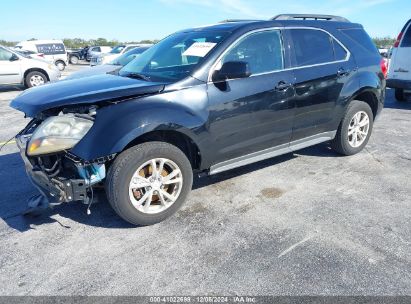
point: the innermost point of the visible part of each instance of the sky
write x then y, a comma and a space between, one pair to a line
134, 20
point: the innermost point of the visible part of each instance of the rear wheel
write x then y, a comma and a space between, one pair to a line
400, 95
355, 129
35, 79
74, 59
149, 182
60, 65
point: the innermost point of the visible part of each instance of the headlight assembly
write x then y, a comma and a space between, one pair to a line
58, 133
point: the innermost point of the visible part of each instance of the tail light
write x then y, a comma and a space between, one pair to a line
384, 68
41, 55
397, 42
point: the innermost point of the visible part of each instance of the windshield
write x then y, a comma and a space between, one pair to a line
175, 57
128, 56
117, 49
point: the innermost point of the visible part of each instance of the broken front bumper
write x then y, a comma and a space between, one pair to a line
56, 189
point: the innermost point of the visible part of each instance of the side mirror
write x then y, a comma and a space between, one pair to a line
14, 57
232, 70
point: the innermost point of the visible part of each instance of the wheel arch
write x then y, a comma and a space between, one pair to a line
369, 96
35, 70
174, 137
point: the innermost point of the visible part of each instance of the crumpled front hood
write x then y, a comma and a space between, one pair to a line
82, 91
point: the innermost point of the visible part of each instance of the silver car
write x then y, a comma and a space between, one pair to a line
17, 68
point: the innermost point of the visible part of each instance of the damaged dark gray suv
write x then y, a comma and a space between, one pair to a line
202, 100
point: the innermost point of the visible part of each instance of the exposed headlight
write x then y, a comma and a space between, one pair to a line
58, 133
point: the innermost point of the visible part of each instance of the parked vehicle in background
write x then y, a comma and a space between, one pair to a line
74, 56
202, 100
383, 52
16, 68
30, 54
114, 53
97, 50
110, 67
53, 50
399, 75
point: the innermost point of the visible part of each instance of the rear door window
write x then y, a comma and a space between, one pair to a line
51, 48
311, 47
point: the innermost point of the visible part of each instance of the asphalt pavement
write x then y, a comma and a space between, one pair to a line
308, 223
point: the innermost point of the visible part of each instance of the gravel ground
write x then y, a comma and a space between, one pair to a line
308, 223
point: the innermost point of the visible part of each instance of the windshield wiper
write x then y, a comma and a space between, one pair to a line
137, 76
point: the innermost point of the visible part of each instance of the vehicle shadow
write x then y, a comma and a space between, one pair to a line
17, 189
392, 103
11, 88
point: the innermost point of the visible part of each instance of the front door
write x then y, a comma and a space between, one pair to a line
9, 67
255, 113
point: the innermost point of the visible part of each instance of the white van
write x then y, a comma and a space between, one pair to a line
399, 74
53, 50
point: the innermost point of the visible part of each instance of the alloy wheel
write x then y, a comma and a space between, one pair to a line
155, 185
358, 129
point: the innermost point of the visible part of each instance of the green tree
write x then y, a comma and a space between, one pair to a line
384, 42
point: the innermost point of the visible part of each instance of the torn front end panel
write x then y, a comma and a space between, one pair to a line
60, 177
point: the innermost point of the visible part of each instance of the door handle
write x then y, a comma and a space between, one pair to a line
283, 86
343, 72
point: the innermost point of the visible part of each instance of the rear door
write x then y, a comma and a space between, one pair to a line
321, 66
400, 65
10, 70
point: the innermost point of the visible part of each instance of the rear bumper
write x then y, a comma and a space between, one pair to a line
399, 84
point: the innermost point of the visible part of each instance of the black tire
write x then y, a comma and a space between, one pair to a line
341, 141
74, 59
61, 65
400, 95
27, 81
122, 170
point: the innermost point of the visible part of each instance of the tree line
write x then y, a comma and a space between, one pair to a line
76, 43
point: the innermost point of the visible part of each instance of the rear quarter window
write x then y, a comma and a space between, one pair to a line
361, 38
51, 48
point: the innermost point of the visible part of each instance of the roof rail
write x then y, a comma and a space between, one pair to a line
236, 20
309, 17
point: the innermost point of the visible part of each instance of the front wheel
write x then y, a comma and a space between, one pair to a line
35, 79
149, 182
355, 129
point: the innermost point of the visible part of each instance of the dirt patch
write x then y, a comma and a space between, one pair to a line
192, 210
245, 208
272, 192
